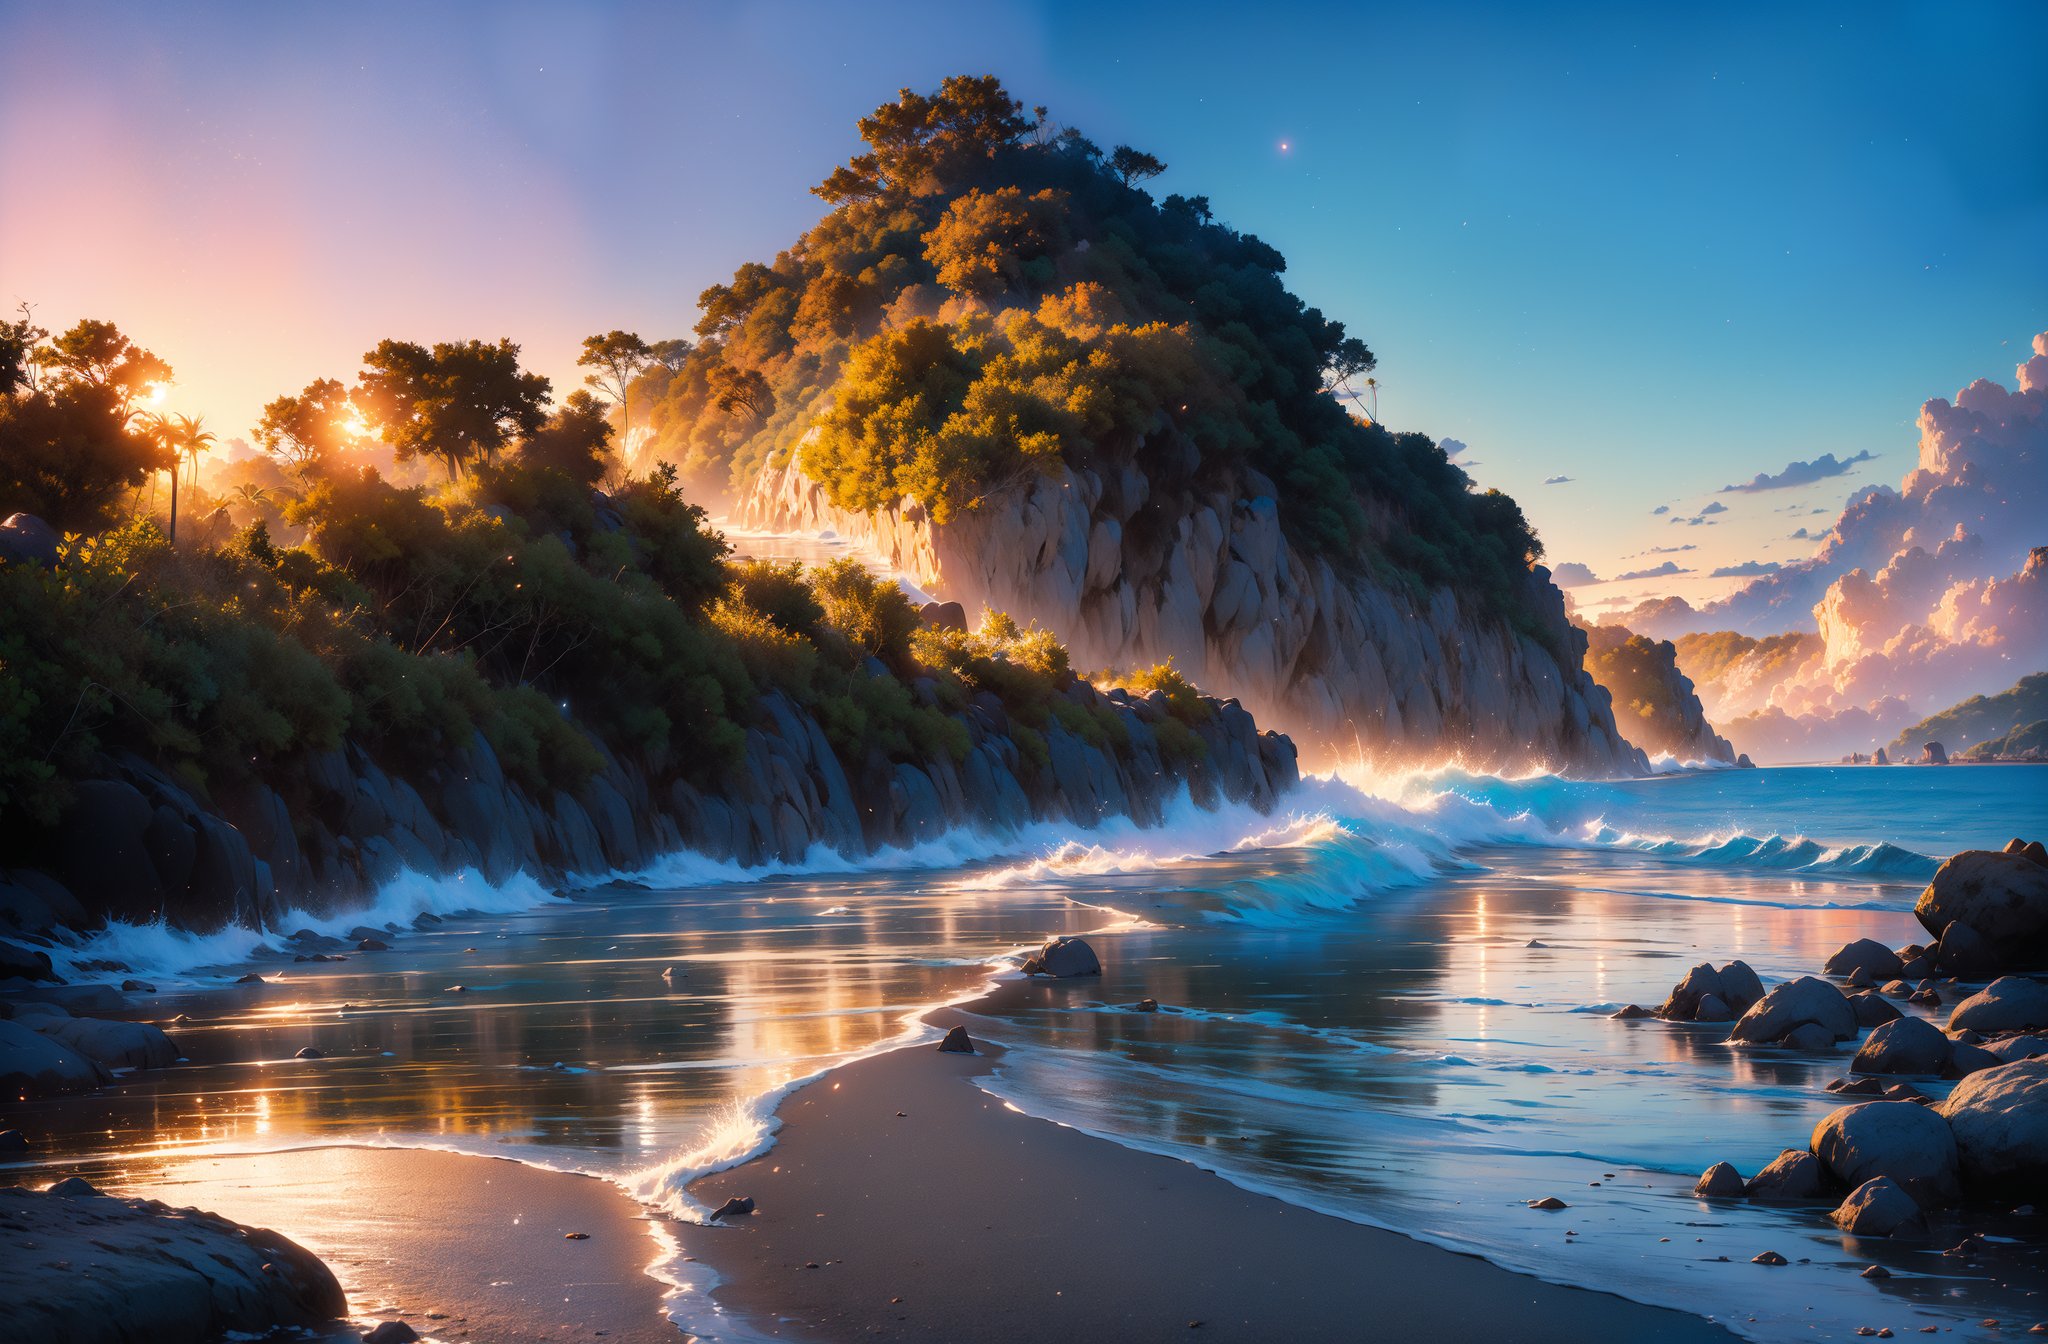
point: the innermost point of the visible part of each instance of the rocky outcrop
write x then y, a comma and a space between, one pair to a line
1353, 665
338, 826
91, 1268
2000, 1121
1655, 704
2001, 897
1902, 1140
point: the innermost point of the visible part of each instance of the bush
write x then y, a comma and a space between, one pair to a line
1183, 701
872, 615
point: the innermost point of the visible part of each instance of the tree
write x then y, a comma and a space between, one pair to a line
96, 354
305, 431
735, 390
919, 142
190, 437
615, 359
573, 441
460, 402
69, 456
1133, 166
989, 242
18, 342
670, 354
1348, 359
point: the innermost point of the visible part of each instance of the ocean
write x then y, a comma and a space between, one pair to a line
1389, 1001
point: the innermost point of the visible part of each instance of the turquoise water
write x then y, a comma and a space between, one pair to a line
1390, 1002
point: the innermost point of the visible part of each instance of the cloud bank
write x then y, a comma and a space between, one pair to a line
1919, 596
1665, 570
1572, 574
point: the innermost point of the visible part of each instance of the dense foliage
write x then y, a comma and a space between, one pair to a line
517, 601
1981, 719
990, 297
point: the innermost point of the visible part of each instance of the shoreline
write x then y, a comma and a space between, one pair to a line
901, 1201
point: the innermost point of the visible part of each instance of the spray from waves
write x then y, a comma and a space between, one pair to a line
166, 952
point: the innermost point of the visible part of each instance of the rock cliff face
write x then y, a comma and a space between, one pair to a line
137, 845
1654, 703
1347, 667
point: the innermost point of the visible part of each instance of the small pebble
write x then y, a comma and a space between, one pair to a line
575, 1236
1768, 1258
1549, 1203
1877, 1272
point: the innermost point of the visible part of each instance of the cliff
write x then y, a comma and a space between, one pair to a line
1349, 667
1655, 704
137, 845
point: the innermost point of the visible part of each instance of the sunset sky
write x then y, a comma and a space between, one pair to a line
1656, 255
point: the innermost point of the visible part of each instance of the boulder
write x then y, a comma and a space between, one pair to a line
2009, 1003
1809, 1036
1911, 1045
2002, 897
1933, 753
1964, 1060
391, 1332
1712, 1009
1682, 1004
1867, 955
103, 851
25, 963
1872, 1010
1879, 1207
1963, 951
739, 1206
1793, 1175
83, 1265
957, 1042
118, 1045
35, 1065
2013, 1049
1999, 1118
27, 540
1909, 1143
943, 615
1807, 1001
1064, 958
1632, 1012
1720, 1181
1741, 986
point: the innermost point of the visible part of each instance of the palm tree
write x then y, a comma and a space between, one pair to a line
158, 430
190, 436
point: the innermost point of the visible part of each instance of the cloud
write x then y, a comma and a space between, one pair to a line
1572, 574
1663, 571
1696, 522
1557, 480
1801, 535
1665, 550
1748, 569
1451, 447
1715, 507
1660, 510
1800, 473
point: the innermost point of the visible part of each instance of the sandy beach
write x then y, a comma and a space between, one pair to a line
459, 1247
902, 1202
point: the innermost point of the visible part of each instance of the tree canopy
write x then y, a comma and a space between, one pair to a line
1157, 335
461, 402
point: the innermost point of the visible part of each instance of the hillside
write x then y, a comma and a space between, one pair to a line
515, 671
1002, 362
1980, 719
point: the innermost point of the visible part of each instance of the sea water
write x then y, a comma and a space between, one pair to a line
1388, 1001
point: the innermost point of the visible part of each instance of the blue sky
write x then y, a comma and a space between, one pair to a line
1652, 251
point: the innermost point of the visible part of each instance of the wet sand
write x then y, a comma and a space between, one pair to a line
964, 1220
461, 1248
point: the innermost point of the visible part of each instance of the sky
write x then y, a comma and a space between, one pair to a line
1653, 252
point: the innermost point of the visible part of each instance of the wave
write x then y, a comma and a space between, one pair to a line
1779, 853
169, 953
